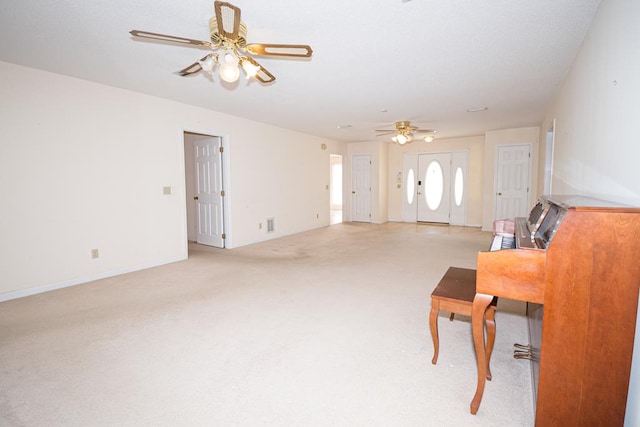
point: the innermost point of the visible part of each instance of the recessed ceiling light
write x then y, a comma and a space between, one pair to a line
475, 110
344, 126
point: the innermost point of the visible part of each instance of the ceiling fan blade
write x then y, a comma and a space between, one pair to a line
228, 19
164, 37
270, 49
385, 132
263, 75
193, 68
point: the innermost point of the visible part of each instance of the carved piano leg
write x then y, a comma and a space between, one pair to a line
479, 308
490, 318
433, 323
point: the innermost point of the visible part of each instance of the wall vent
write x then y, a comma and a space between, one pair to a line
270, 226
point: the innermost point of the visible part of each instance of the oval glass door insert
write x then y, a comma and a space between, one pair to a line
434, 185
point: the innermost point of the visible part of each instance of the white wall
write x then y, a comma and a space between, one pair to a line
597, 145
280, 174
474, 145
383, 179
596, 140
83, 166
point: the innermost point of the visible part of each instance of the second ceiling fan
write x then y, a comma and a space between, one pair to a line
404, 132
229, 34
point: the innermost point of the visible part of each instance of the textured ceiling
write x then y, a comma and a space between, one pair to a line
374, 61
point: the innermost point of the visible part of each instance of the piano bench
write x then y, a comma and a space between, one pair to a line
454, 293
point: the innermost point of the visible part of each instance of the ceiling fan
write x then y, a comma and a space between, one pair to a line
404, 132
229, 34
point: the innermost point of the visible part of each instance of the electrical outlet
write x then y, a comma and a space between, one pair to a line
166, 190
95, 254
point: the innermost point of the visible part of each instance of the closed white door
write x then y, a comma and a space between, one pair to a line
361, 188
209, 193
434, 187
512, 181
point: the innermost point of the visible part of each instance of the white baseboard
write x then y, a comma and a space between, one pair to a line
7, 296
465, 225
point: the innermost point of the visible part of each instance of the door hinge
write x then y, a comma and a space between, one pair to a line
224, 236
222, 193
221, 150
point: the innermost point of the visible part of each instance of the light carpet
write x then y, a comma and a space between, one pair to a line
325, 328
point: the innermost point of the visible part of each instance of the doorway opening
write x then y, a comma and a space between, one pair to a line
548, 158
335, 189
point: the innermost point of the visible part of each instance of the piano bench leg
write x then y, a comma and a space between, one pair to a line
433, 324
480, 312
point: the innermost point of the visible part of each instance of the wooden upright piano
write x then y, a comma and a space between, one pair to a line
578, 260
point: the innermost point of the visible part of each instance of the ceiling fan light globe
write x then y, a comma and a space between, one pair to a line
208, 64
250, 69
230, 58
229, 72
428, 138
402, 139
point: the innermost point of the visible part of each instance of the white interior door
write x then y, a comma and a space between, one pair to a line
361, 188
209, 193
434, 187
512, 180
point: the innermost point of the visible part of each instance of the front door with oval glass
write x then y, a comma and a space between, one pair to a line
435, 187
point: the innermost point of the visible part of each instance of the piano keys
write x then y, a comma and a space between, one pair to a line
577, 257
500, 242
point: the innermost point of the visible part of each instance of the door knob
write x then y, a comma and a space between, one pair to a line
195, 197
499, 194
353, 192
